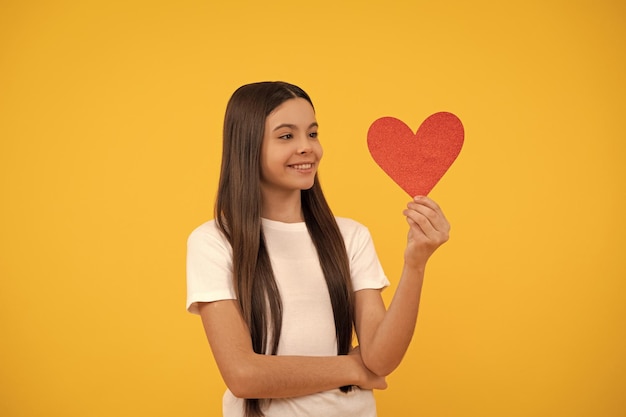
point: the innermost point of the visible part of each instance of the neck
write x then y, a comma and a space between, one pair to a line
282, 207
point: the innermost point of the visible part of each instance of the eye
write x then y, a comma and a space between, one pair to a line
286, 136
313, 135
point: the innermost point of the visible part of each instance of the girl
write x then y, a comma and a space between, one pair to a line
281, 284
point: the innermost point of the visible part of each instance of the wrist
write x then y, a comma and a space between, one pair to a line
414, 268
357, 376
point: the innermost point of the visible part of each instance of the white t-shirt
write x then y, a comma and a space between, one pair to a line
308, 327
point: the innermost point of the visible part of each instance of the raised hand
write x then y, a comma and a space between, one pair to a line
428, 229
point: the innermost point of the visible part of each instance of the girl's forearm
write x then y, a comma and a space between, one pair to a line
387, 346
264, 376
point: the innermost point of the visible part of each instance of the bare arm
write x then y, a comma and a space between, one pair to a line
251, 375
385, 335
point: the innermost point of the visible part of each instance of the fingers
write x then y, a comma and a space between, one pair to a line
428, 230
427, 215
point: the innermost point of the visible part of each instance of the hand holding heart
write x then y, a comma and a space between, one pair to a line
428, 229
416, 162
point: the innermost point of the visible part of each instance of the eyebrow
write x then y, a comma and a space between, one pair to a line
292, 126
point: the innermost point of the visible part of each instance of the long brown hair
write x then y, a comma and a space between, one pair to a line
238, 216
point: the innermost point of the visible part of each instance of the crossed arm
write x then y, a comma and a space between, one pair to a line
251, 375
384, 335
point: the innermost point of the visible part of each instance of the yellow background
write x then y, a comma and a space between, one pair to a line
110, 127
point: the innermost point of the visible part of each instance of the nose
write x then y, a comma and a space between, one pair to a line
304, 146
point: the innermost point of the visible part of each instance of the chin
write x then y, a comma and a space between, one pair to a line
308, 186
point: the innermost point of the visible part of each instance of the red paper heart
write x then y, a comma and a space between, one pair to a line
416, 162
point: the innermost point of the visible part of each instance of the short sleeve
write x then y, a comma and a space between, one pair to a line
365, 267
209, 267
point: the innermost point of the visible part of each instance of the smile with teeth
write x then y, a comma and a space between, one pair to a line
302, 166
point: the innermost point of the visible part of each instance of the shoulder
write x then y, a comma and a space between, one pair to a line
209, 266
352, 231
365, 268
205, 230
347, 225
207, 234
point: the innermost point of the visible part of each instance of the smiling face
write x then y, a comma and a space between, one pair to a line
291, 152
